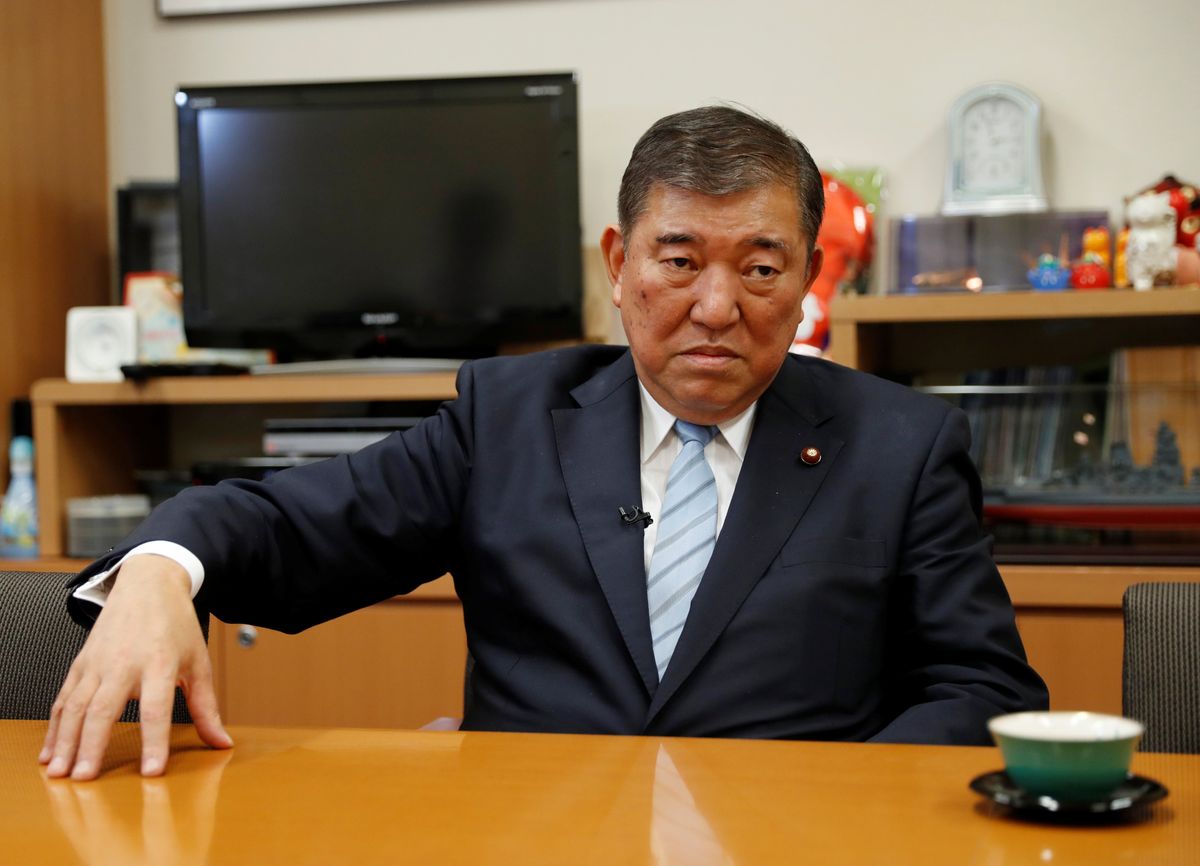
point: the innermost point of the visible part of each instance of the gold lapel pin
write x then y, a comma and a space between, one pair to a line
810, 456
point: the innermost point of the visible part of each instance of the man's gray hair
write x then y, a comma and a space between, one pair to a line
717, 150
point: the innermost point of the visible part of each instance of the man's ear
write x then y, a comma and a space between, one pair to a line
815, 262
612, 248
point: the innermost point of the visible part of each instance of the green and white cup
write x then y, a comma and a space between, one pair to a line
1072, 757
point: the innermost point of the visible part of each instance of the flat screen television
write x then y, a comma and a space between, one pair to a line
435, 218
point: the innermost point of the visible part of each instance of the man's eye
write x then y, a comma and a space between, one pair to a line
679, 262
763, 271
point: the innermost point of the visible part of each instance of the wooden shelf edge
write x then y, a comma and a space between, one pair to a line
1096, 587
882, 309
246, 389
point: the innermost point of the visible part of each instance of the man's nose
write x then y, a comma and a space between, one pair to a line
716, 302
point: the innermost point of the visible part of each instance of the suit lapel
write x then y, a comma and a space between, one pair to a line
773, 491
598, 450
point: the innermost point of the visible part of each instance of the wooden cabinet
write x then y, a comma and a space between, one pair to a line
1069, 615
396, 664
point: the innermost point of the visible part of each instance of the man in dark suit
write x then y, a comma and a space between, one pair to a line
701, 535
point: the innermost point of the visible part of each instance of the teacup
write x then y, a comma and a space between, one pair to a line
1072, 757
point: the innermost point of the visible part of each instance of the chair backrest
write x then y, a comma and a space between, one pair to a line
1161, 671
38, 642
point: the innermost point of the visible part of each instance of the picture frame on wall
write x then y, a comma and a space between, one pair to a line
181, 8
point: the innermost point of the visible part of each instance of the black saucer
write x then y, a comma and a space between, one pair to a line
1134, 792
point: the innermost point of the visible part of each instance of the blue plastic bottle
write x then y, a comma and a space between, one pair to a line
18, 515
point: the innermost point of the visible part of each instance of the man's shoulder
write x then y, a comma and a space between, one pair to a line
844, 387
553, 370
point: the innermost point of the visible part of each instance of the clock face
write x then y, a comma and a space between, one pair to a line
995, 164
994, 137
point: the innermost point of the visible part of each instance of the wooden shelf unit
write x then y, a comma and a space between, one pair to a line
915, 333
92, 436
1069, 615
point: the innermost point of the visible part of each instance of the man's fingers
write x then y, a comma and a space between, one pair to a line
56, 714
140, 642
70, 721
157, 698
106, 707
202, 704
51, 732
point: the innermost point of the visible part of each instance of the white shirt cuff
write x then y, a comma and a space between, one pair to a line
97, 589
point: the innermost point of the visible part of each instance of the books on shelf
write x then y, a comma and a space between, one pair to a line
1028, 423
1015, 415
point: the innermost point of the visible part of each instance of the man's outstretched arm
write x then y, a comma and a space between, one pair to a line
145, 641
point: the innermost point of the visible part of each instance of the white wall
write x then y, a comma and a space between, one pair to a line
863, 83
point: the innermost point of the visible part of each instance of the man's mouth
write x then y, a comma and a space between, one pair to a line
710, 356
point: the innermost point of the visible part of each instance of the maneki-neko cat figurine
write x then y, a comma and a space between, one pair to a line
1164, 236
1150, 255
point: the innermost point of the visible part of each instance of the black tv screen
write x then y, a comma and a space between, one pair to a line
430, 217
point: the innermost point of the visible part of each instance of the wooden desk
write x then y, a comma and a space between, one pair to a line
356, 796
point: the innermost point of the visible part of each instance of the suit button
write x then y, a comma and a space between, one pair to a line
810, 456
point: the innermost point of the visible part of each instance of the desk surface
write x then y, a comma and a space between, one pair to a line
342, 796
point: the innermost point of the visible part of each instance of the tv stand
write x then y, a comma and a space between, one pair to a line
359, 366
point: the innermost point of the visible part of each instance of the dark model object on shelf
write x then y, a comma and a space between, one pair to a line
432, 218
1107, 512
1117, 493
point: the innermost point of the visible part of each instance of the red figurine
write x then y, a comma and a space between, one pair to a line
1090, 273
846, 236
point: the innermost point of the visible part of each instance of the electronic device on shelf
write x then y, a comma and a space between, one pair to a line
415, 217
158, 370
323, 437
359, 366
252, 468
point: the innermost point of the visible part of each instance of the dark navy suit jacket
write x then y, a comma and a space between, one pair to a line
853, 599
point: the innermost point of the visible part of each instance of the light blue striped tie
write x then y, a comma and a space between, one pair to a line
687, 533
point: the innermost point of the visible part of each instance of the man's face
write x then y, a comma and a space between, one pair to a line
709, 289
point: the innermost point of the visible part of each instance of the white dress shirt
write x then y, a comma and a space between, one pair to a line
96, 589
659, 447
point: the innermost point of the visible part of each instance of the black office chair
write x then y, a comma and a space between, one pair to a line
1161, 671
38, 642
